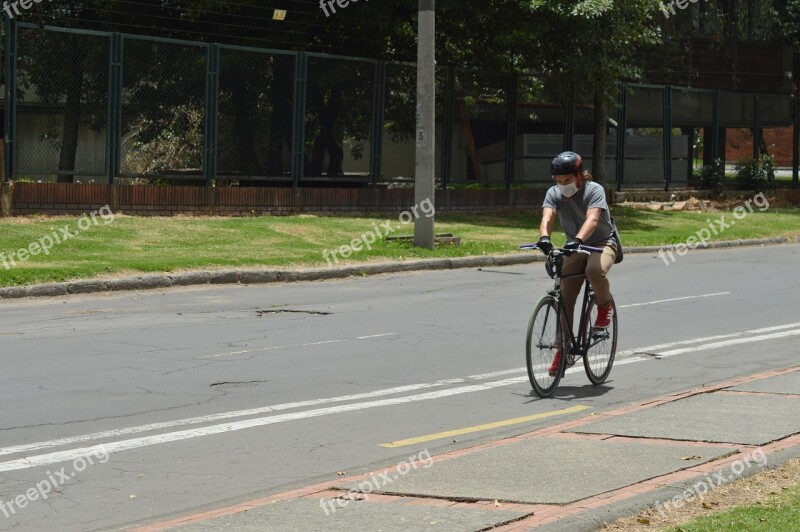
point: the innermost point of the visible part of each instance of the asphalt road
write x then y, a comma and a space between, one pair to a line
192, 398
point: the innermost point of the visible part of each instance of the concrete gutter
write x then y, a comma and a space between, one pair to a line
263, 276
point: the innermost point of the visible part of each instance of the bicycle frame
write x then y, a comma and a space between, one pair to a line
580, 345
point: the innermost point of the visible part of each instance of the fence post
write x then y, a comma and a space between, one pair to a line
756, 127
114, 107
621, 127
10, 125
511, 130
298, 125
378, 107
211, 112
796, 120
795, 139
569, 119
447, 127
667, 135
715, 132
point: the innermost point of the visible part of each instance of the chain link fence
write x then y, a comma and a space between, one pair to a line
108, 107
338, 119
163, 109
256, 112
61, 105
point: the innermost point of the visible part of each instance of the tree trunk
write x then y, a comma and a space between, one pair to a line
326, 141
72, 118
599, 144
247, 162
280, 133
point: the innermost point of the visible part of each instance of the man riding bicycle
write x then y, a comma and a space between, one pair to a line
585, 218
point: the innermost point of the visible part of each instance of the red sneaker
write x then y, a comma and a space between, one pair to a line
553, 371
604, 314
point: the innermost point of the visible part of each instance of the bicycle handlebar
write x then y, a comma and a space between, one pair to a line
584, 249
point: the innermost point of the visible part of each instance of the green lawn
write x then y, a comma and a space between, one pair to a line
780, 514
132, 244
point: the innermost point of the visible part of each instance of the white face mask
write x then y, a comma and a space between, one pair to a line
568, 190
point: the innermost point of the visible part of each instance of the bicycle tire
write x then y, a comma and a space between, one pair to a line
544, 328
600, 345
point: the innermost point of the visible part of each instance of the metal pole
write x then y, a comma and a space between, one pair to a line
426, 121
667, 131
756, 128
715, 133
447, 129
378, 106
299, 123
621, 127
569, 120
796, 120
795, 139
511, 130
211, 111
9, 147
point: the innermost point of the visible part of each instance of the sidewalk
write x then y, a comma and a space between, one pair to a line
262, 276
598, 468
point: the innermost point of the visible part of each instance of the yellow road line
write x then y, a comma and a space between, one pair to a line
486, 426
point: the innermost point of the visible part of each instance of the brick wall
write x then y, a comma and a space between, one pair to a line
52, 198
739, 144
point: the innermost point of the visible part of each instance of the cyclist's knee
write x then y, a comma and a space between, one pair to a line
595, 273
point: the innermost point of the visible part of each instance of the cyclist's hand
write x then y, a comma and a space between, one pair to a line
545, 245
573, 244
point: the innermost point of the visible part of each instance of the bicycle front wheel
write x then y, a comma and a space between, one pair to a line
600, 345
544, 340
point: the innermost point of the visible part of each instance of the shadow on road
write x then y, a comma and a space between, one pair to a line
566, 393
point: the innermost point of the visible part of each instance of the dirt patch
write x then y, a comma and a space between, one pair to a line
759, 489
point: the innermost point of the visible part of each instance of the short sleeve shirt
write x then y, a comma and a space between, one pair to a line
572, 211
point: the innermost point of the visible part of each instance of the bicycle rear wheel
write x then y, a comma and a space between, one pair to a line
545, 337
601, 345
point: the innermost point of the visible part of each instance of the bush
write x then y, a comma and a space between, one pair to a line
756, 174
712, 175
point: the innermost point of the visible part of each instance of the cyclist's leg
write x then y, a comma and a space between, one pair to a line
597, 272
570, 288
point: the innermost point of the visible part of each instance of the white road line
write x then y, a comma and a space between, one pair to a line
374, 336
115, 433
265, 349
652, 348
674, 299
135, 443
727, 343
122, 445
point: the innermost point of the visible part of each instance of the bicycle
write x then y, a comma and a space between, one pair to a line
549, 331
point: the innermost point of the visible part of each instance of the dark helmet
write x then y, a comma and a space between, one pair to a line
566, 163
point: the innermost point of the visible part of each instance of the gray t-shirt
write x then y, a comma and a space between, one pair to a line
572, 211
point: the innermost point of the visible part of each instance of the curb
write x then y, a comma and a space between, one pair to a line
597, 519
263, 276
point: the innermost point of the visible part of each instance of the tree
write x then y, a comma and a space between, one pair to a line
594, 44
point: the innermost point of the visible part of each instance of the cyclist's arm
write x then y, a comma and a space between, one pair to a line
548, 217
588, 227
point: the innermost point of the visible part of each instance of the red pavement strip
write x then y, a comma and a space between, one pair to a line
539, 514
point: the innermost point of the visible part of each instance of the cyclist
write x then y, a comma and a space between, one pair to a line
585, 218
